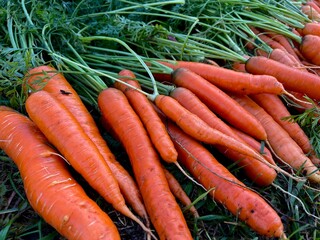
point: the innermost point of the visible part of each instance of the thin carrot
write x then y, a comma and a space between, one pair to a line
51, 190
179, 193
164, 212
257, 171
273, 105
280, 141
230, 80
50, 80
247, 205
291, 78
213, 97
154, 126
309, 49
65, 133
197, 128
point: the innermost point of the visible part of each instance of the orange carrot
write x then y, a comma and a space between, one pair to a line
161, 205
154, 126
264, 151
48, 79
212, 96
197, 128
273, 105
280, 141
51, 190
65, 133
312, 28
291, 78
288, 46
230, 80
245, 204
179, 193
311, 12
309, 49
257, 171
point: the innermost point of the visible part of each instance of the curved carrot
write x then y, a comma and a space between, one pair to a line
292, 79
154, 126
247, 205
50, 80
282, 144
197, 128
164, 212
50, 188
309, 48
257, 171
179, 193
230, 80
65, 133
212, 96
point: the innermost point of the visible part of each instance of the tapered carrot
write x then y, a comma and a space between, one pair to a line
282, 144
50, 80
230, 80
212, 96
51, 190
257, 171
309, 49
154, 126
164, 212
197, 128
247, 205
179, 193
65, 133
291, 78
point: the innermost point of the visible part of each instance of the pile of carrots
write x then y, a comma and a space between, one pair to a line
249, 128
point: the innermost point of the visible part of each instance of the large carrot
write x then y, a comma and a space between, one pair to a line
219, 102
51, 190
312, 28
292, 79
273, 105
309, 49
247, 205
230, 80
197, 128
154, 126
282, 144
164, 212
65, 133
50, 80
257, 171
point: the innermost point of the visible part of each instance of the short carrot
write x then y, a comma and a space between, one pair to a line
179, 193
212, 96
154, 126
257, 171
50, 188
280, 141
230, 80
50, 80
165, 214
247, 205
197, 128
65, 133
291, 78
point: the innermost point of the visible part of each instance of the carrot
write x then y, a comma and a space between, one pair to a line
197, 128
230, 80
164, 212
179, 193
247, 205
50, 188
65, 133
291, 78
280, 141
313, 5
312, 28
287, 59
311, 12
264, 151
213, 97
257, 171
309, 49
154, 126
273, 105
48, 79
